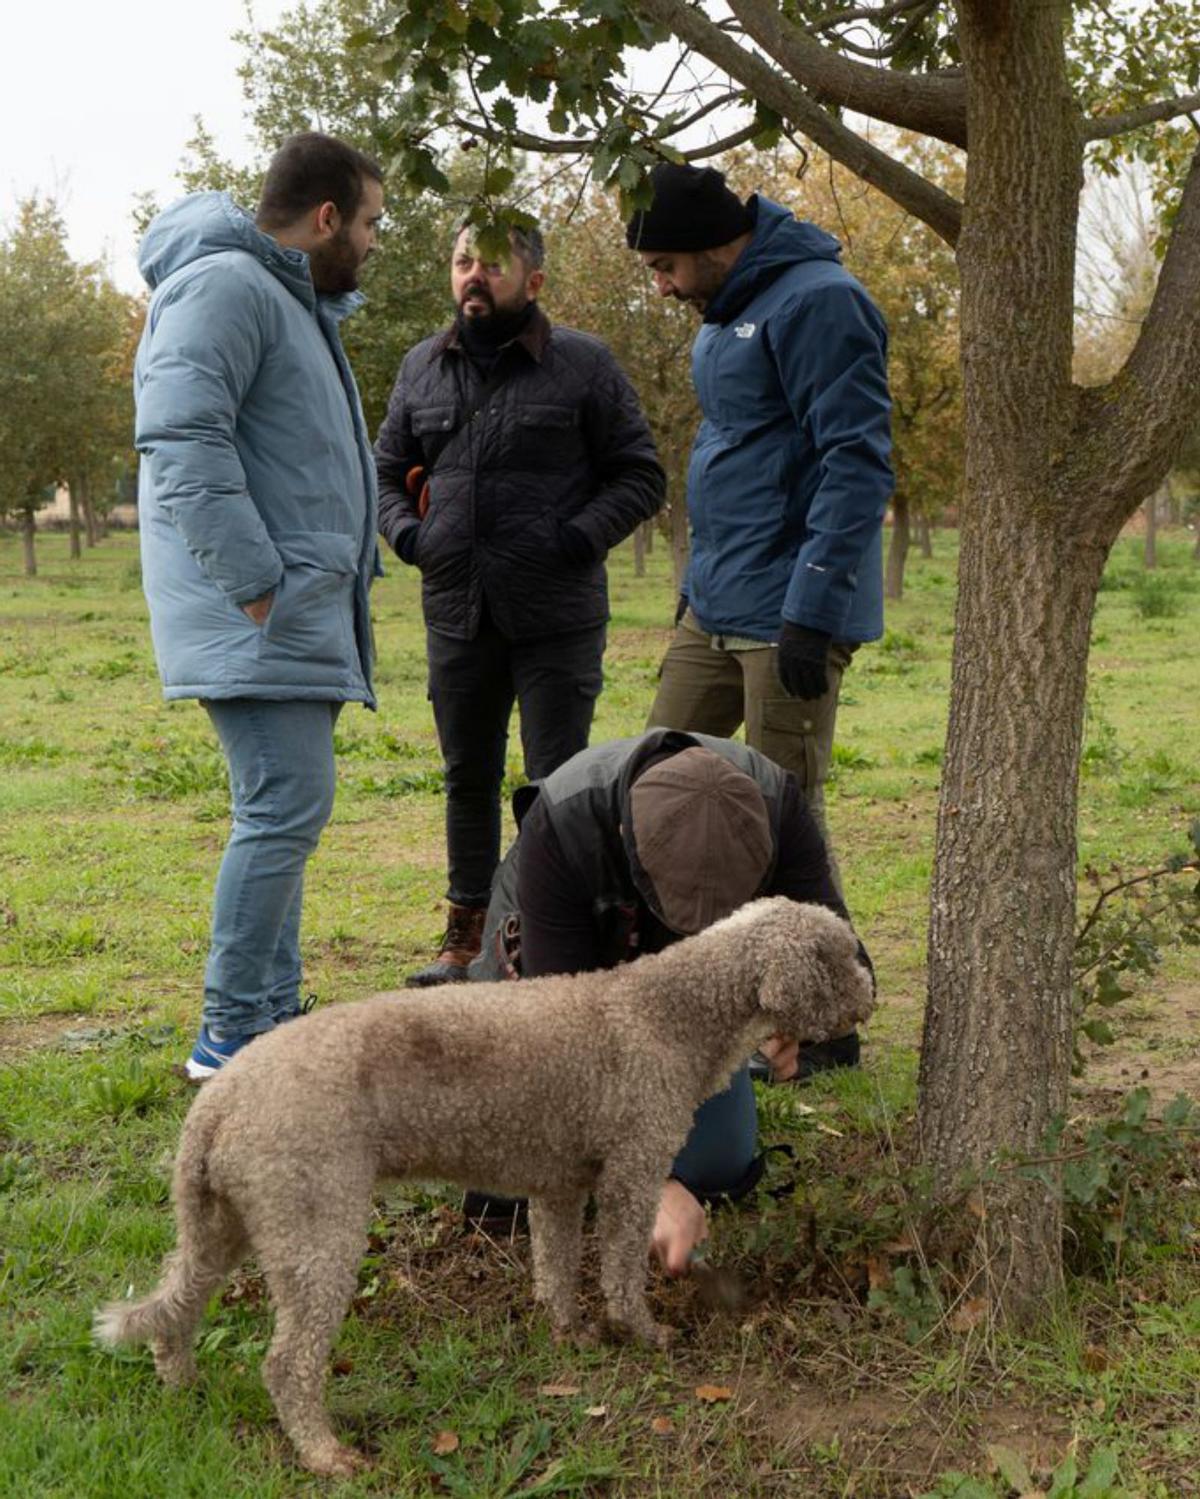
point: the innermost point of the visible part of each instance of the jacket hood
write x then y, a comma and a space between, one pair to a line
207, 223
780, 240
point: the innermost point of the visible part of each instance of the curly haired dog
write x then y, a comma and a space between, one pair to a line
553, 1089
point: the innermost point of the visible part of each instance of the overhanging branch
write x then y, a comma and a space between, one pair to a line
929, 103
1106, 126
793, 103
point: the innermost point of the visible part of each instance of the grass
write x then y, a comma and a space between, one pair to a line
112, 818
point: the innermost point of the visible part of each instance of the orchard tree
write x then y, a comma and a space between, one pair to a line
1028, 88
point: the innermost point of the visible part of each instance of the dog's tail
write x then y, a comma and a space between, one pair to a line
209, 1241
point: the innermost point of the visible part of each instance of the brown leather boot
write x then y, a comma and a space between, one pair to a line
461, 943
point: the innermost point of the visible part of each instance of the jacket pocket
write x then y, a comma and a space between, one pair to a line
312, 617
547, 436
433, 425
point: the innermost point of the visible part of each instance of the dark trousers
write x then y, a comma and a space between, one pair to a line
473, 685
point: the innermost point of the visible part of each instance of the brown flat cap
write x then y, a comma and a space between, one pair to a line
702, 836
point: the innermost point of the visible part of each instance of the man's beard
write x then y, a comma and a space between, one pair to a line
477, 291
334, 266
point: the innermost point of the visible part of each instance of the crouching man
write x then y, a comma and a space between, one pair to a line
629, 847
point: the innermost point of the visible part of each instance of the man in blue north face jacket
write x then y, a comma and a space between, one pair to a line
258, 518
789, 477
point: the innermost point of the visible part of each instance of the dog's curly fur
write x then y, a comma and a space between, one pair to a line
552, 1089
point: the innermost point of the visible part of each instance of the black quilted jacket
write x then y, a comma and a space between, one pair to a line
563, 440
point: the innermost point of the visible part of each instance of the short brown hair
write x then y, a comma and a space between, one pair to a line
310, 169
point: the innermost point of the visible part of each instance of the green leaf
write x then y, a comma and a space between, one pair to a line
1137, 1106
1099, 1032
1100, 1475
1063, 1480
1012, 1467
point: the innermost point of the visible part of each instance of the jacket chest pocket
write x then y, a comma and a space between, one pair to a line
547, 437
434, 426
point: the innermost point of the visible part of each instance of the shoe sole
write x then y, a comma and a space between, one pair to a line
199, 1072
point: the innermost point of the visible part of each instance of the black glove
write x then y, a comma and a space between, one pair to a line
575, 544
406, 545
802, 658
681, 607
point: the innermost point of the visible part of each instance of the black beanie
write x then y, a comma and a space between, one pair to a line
692, 210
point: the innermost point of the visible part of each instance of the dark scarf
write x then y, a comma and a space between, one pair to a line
485, 338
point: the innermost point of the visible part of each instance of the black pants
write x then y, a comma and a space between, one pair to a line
473, 685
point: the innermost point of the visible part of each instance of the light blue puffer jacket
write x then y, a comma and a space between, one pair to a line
256, 472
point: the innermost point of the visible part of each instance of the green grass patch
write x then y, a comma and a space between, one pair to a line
113, 812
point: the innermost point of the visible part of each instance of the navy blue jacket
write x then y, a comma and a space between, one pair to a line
790, 475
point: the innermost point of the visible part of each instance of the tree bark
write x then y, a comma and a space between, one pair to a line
925, 536
648, 530
893, 583
28, 535
89, 511
996, 1051
679, 539
639, 552
73, 495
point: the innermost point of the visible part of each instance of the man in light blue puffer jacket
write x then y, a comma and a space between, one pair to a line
258, 519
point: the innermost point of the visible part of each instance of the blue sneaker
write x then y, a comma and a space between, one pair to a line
209, 1055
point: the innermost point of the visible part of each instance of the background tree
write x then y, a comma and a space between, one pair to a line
1052, 469
61, 386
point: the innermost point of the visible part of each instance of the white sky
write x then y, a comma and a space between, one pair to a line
98, 103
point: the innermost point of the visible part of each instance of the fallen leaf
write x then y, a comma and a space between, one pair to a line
1099, 1405
879, 1273
558, 1389
1094, 1359
444, 1443
969, 1314
596, 1410
713, 1392
662, 1426
342, 1366
976, 1204
902, 1245
828, 1129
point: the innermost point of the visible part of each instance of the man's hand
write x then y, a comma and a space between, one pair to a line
681, 1225
259, 608
801, 660
783, 1053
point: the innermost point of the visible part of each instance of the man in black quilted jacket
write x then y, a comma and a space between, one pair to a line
513, 456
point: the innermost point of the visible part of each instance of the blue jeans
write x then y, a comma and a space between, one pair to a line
282, 778
718, 1152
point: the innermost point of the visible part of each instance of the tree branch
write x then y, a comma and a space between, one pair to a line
787, 98
927, 103
1104, 127
873, 14
1136, 423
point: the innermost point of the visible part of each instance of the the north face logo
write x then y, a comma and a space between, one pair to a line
744, 330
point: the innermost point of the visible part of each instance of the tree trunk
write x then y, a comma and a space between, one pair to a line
679, 539
89, 511
28, 535
639, 552
1150, 514
73, 494
996, 1053
648, 528
925, 536
893, 587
